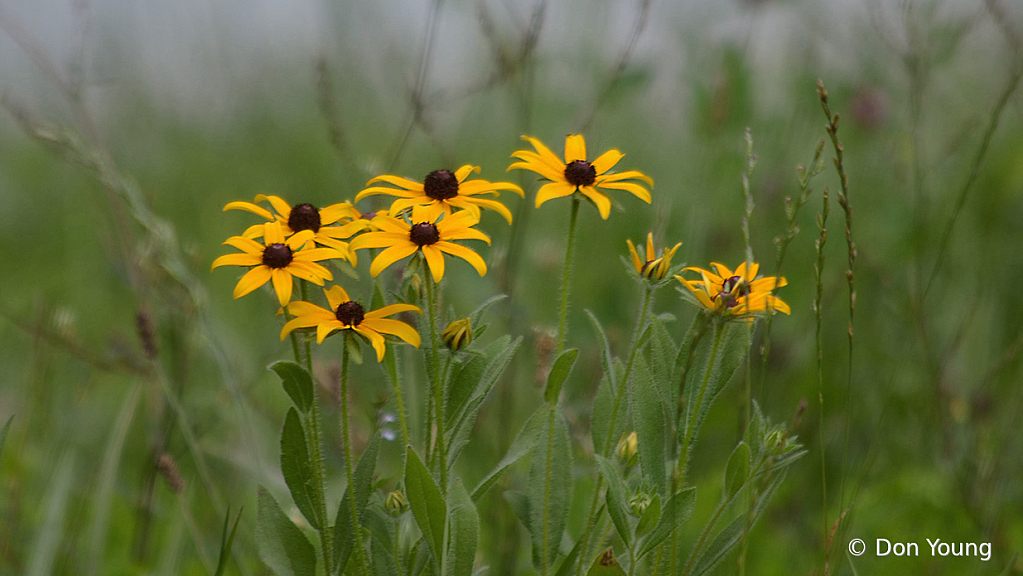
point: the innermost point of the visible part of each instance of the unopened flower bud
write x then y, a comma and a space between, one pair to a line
396, 503
627, 446
458, 334
639, 503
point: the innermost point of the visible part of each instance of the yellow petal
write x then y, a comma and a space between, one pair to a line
390, 256
380, 240
575, 148
533, 163
392, 309
251, 280
249, 207
384, 190
553, 190
650, 245
282, 285
247, 244
237, 260
607, 161
603, 202
628, 175
335, 212
299, 239
394, 327
492, 204
435, 260
636, 190
310, 271
324, 329
474, 187
375, 339
336, 296
398, 181
465, 254
545, 155
272, 233
463, 172
635, 256
282, 207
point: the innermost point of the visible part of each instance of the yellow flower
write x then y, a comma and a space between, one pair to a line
425, 234
306, 217
346, 314
441, 191
738, 293
649, 266
576, 174
277, 259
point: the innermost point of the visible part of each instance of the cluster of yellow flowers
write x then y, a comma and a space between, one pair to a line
429, 218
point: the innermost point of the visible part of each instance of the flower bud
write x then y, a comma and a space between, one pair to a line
627, 447
396, 503
639, 503
458, 334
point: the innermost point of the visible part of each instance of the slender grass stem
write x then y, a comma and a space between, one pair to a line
347, 443
566, 278
438, 385
822, 220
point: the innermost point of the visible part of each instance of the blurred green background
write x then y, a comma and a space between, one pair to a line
127, 126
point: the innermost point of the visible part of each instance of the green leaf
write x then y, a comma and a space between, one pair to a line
427, 504
519, 503
464, 531
298, 468
344, 533
3, 434
737, 470
477, 314
226, 541
464, 381
651, 516
605, 351
617, 499
663, 352
712, 369
605, 565
523, 443
500, 354
651, 425
282, 546
383, 560
562, 368
550, 500
674, 515
297, 383
568, 564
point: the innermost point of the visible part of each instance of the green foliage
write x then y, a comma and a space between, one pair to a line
344, 533
562, 368
227, 541
297, 383
282, 546
530, 435
464, 526
650, 418
427, 504
550, 489
298, 469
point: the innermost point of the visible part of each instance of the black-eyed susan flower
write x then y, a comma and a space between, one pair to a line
577, 174
442, 191
347, 314
425, 234
650, 266
738, 293
277, 260
306, 217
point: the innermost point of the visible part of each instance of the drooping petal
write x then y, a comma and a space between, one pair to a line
603, 202
249, 207
237, 260
553, 190
375, 339
435, 260
251, 280
607, 161
324, 329
398, 181
575, 148
392, 309
390, 256
465, 254
301, 322
247, 244
491, 204
283, 284
395, 328
310, 271
635, 189
627, 175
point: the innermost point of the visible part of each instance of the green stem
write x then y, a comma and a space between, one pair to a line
548, 480
347, 443
606, 449
566, 277
703, 537
438, 386
303, 287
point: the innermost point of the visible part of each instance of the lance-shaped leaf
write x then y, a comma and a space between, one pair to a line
297, 383
562, 368
737, 470
675, 513
344, 532
524, 442
651, 516
651, 425
464, 527
282, 546
298, 468
427, 504
549, 496
617, 499
605, 351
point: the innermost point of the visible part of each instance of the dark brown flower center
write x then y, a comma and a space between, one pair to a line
277, 255
424, 234
580, 173
350, 313
441, 185
304, 217
728, 293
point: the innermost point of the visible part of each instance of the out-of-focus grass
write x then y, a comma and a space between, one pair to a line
935, 399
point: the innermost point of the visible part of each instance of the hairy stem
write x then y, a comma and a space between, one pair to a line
346, 441
566, 278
